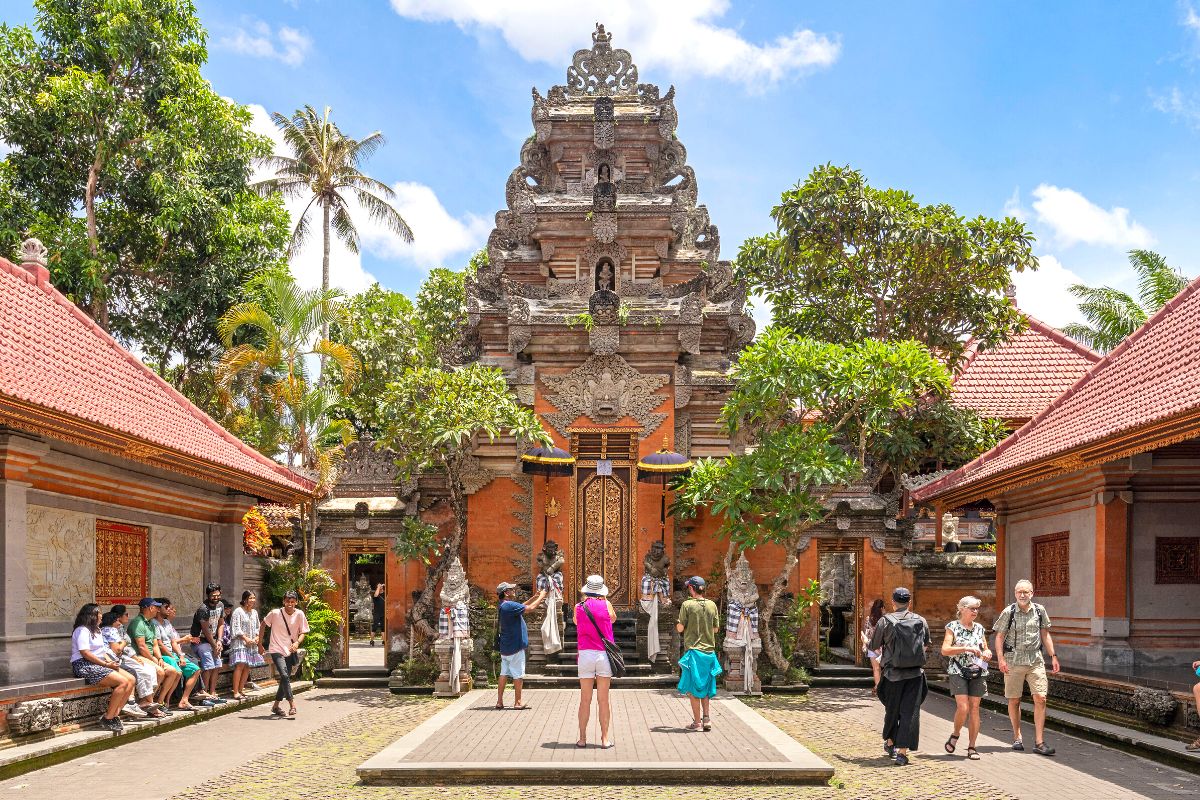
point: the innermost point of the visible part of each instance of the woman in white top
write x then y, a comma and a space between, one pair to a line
92, 660
243, 643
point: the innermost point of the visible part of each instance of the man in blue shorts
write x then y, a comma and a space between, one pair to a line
514, 639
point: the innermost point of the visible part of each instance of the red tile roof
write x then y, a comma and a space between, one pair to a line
61, 375
1142, 395
1019, 379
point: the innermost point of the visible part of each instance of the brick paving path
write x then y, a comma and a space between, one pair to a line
838, 725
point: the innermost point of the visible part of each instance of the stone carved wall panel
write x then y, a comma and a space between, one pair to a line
176, 564
60, 563
1176, 559
1052, 564
605, 388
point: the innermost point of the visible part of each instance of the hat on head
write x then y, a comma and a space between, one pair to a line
697, 582
504, 586
147, 602
901, 595
595, 585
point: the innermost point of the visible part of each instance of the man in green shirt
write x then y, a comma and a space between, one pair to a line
699, 619
145, 642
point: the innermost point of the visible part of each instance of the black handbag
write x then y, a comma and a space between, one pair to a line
616, 661
291, 660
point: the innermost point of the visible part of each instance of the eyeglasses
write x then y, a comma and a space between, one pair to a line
970, 608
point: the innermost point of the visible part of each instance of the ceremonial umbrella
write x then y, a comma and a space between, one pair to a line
660, 467
547, 461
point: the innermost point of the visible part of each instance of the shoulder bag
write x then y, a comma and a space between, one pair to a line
616, 661
292, 660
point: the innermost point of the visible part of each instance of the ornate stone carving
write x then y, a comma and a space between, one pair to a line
604, 305
60, 559
518, 338
683, 434
367, 465
691, 310
602, 70
591, 255
662, 248
689, 339
683, 385
475, 475
605, 389
742, 330
34, 252
176, 561
518, 311
878, 543
604, 340
656, 563
540, 115
1154, 705
605, 132
523, 529
550, 563
34, 716
604, 227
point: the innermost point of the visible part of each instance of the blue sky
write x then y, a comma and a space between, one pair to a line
1082, 118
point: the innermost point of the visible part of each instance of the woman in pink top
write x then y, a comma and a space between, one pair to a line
593, 661
288, 627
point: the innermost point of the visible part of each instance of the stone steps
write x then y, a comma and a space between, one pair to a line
842, 676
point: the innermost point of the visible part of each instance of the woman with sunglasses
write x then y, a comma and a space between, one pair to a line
966, 648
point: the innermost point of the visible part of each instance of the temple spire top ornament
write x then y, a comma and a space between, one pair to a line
601, 71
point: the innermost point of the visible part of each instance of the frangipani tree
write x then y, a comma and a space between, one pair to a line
434, 417
813, 412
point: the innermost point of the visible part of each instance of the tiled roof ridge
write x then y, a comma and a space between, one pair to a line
1059, 337
191, 408
1105, 361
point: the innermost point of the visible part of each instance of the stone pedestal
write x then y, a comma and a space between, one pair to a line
664, 662
443, 650
735, 668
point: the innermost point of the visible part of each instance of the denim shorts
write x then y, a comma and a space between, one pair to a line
513, 666
204, 653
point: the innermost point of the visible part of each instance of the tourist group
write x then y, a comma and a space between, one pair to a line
150, 666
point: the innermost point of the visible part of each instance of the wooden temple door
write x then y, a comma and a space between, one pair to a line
604, 507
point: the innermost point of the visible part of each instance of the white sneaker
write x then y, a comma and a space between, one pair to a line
132, 709
252, 686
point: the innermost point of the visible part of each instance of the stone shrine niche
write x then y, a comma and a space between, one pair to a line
122, 562
1177, 559
605, 275
177, 564
60, 563
1051, 559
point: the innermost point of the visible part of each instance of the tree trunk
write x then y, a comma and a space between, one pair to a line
770, 640
458, 504
324, 272
99, 301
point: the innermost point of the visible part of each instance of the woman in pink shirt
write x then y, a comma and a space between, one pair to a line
288, 627
592, 629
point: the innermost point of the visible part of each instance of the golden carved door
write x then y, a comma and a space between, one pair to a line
602, 536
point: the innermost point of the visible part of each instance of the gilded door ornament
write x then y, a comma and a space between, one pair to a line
121, 562
602, 544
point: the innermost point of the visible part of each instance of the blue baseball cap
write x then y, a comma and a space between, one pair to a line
147, 602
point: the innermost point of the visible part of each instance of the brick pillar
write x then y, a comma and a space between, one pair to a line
1110, 619
18, 452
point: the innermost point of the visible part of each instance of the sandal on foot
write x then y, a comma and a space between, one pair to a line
952, 743
279, 712
706, 724
521, 707
581, 743
607, 745
1043, 749
291, 712
972, 754
695, 726
1193, 747
1017, 745
499, 706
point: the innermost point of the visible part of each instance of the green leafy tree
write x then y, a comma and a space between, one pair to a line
814, 410
434, 419
850, 262
133, 171
1112, 314
442, 313
325, 168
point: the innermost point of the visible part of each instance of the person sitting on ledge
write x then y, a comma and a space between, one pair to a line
145, 643
92, 660
170, 642
112, 628
1195, 746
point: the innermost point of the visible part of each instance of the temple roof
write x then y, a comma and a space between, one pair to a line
1019, 379
62, 376
1141, 396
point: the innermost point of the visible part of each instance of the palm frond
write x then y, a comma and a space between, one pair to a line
347, 360
251, 314
344, 228
1158, 283
384, 212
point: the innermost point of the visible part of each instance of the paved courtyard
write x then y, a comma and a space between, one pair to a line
248, 755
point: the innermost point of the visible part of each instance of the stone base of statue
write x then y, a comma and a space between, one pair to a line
443, 650
735, 668
664, 661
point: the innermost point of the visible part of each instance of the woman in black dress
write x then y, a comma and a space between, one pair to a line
377, 613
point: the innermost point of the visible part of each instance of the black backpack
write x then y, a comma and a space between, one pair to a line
906, 647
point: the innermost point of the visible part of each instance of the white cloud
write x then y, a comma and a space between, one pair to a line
1177, 104
1076, 220
256, 38
1013, 207
437, 236
679, 36
1044, 294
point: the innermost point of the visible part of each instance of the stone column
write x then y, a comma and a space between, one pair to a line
18, 452
735, 673
443, 650
228, 559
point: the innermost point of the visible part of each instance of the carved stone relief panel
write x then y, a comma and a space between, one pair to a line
683, 434
605, 388
60, 564
475, 475
1052, 564
177, 564
689, 339
683, 386
604, 227
604, 340
1176, 559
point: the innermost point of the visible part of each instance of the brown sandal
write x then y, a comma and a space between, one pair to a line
952, 743
972, 754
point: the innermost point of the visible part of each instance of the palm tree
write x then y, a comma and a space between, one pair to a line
1112, 314
325, 166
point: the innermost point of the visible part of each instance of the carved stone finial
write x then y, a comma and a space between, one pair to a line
34, 252
600, 35
601, 70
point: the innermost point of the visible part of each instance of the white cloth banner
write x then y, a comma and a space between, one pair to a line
652, 644
551, 640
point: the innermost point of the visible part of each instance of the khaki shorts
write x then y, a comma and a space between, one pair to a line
1016, 677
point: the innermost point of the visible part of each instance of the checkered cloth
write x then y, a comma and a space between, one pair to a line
734, 614
652, 586
544, 583
462, 621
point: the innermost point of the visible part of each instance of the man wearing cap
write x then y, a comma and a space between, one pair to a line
698, 621
514, 639
145, 642
903, 636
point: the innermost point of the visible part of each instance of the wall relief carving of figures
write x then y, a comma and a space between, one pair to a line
602, 70
176, 558
60, 555
605, 388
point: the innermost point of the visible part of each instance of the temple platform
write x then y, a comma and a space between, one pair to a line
471, 742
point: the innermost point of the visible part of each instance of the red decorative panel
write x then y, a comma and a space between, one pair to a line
1177, 559
122, 557
1052, 564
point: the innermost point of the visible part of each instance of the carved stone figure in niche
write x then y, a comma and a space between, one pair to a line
656, 562
606, 277
604, 174
550, 564
949, 533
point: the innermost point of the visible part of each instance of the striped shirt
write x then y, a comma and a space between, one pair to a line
1025, 638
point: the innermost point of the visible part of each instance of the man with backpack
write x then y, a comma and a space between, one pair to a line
903, 636
1022, 636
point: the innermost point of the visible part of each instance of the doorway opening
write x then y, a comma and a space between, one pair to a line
840, 607
365, 609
